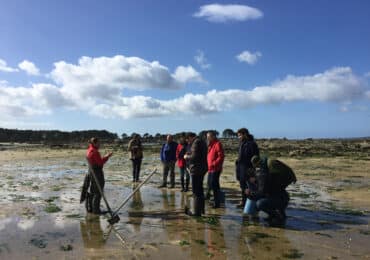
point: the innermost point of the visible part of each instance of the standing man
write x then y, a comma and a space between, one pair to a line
168, 158
244, 168
181, 163
96, 163
215, 159
135, 149
197, 163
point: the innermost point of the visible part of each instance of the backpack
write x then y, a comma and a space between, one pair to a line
281, 174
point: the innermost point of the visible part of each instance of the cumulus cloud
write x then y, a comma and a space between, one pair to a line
249, 57
5, 68
219, 13
335, 85
187, 74
106, 77
104, 96
201, 60
29, 67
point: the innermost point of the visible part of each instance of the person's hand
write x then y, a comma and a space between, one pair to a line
186, 156
247, 192
109, 154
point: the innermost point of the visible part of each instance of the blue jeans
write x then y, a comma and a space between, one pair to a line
272, 203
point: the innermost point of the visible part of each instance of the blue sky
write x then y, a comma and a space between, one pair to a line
280, 68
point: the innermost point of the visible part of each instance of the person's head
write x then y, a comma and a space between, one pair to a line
190, 137
95, 142
211, 135
169, 138
243, 134
256, 161
182, 138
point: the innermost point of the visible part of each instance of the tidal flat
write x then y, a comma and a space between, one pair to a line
41, 216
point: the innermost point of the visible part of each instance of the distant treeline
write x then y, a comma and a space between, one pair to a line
62, 137
53, 136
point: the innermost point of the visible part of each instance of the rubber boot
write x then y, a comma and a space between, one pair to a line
88, 202
198, 206
202, 205
96, 204
187, 185
182, 185
216, 196
242, 202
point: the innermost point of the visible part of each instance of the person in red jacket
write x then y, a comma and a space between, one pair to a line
181, 163
215, 160
96, 163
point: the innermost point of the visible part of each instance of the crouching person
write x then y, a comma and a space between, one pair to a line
271, 196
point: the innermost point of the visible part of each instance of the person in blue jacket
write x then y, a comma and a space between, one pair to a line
168, 158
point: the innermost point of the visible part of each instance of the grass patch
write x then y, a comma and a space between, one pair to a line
51, 199
56, 188
365, 232
256, 236
73, 216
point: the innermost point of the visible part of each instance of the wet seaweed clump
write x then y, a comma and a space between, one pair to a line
209, 220
52, 208
184, 243
39, 241
293, 254
256, 236
66, 247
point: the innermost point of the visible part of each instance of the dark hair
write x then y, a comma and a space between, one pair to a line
190, 134
212, 133
93, 140
244, 131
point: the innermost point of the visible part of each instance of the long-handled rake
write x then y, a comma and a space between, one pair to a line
130, 196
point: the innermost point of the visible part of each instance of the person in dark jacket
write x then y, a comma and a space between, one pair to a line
96, 163
244, 168
270, 197
181, 163
168, 158
197, 164
135, 148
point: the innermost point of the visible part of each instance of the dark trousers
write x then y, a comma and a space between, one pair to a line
95, 196
198, 193
169, 167
185, 178
136, 165
214, 184
272, 203
243, 175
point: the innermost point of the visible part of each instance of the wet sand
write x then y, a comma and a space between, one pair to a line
41, 217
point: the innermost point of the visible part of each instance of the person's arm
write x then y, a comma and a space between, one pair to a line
162, 153
96, 159
129, 147
261, 186
194, 151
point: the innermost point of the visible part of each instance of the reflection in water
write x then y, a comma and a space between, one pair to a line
92, 232
135, 206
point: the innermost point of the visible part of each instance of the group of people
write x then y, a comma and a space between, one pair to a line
195, 157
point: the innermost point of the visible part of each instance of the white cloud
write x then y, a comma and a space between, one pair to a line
219, 13
106, 77
334, 85
249, 57
102, 95
187, 74
201, 60
5, 68
29, 67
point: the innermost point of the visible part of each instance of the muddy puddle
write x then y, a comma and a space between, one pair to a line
41, 218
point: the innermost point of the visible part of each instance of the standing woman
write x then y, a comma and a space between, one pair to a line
136, 156
244, 168
181, 163
96, 163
